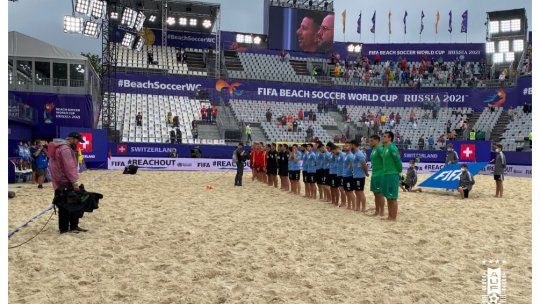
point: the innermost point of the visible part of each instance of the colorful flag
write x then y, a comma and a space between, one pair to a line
359, 24
344, 19
405, 22
422, 22
437, 17
373, 21
464, 20
390, 22
450, 22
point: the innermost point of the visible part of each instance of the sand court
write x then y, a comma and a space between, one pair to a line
162, 237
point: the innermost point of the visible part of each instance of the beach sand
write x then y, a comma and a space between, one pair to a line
162, 237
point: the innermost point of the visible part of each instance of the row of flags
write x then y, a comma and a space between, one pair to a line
464, 22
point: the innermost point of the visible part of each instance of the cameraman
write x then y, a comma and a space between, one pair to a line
196, 152
65, 177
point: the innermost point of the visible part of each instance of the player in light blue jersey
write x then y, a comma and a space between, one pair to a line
360, 172
326, 172
340, 162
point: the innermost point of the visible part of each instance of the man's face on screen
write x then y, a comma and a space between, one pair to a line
325, 35
307, 35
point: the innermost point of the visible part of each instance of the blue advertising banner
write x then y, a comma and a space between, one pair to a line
448, 177
164, 150
415, 51
94, 149
57, 110
475, 98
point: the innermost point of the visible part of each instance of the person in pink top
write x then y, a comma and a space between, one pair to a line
65, 176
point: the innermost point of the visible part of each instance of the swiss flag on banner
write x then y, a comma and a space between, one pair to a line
87, 145
121, 149
467, 152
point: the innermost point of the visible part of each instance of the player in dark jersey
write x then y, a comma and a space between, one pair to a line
283, 166
272, 165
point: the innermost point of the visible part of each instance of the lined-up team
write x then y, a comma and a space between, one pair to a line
332, 173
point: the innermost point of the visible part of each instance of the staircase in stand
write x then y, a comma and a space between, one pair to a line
299, 67
232, 62
500, 127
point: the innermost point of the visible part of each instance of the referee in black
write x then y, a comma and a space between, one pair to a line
241, 161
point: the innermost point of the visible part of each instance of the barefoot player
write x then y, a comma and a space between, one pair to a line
272, 165
360, 171
348, 176
392, 168
376, 174
332, 178
311, 171
295, 159
283, 166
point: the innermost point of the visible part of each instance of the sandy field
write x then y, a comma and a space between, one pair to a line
162, 237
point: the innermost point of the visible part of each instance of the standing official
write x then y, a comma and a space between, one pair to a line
498, 171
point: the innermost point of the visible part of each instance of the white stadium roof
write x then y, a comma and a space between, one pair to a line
21, 45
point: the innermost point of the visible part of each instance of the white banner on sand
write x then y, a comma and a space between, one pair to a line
511, 170
172, 164
208, 164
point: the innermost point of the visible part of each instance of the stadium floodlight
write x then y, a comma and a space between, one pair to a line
193, 22
114, 15
248, 39
73, 24
257, 40
498, 57
504, 46
494, 27
207, 23
350, 48
517, 45
98, 9
490, 47
357, 48
505, 26
128, 17
182, 21
128, 40
91, 29
515, 25
152, 18
240, 38
139, 21
82, 6
139, 44
509, 57
171, 21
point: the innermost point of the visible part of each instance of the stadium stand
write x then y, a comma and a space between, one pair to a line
252, 111
164, 59
268, 67
154, 110
516, 134
423, 124
425, 73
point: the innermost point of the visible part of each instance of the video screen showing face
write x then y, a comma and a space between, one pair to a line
301, 30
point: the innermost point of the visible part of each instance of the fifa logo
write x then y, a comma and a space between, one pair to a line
222, 84
493, 282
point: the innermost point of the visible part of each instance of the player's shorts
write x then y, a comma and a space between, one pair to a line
332, 180
359, 183
310, 178
271, 170
40, 172
498, 177
340, 181
376, 184
348, 184
304, 176
326, 173
390, 186
294, 175
283, 171
319, 177
466, 191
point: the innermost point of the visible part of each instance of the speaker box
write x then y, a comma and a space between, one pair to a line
131, 169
